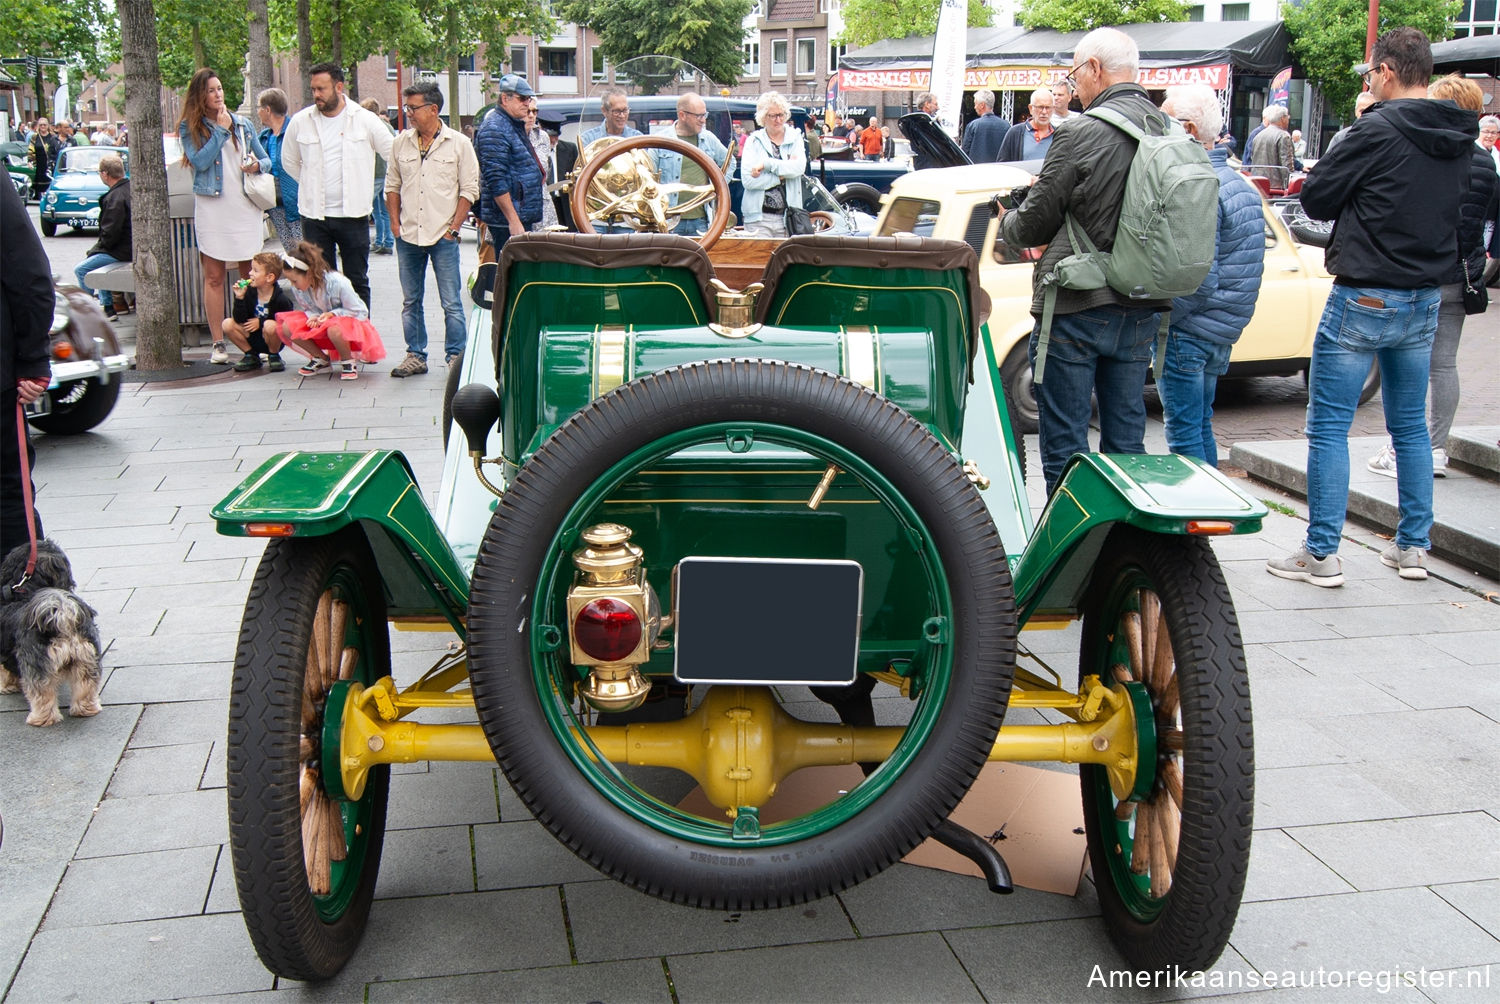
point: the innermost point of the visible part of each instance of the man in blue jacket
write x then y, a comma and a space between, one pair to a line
983, 136
1393, 185
1206, 325
510, 176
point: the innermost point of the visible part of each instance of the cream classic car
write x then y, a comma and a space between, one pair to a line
955, 203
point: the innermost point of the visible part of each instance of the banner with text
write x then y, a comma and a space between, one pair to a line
1022, 78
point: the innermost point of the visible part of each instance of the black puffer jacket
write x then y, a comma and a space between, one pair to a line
1393, 185
1084, 174
1478, 208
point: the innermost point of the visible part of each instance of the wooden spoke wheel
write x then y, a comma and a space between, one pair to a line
306, 853
1169, 857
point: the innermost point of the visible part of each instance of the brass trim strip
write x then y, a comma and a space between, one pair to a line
610, 358
858, 347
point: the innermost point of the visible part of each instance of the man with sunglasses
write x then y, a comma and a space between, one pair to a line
1393, 185
430, 183
1100, 340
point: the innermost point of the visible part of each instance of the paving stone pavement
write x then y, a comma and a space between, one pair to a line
1377, 845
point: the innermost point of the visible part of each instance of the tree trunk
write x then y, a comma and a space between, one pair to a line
453, 68
259, 51
158, 339
336, 34
200, 53
304, 49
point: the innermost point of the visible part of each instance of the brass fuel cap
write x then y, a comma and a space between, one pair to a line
736, 309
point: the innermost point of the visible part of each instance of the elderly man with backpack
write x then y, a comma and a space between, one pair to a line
1120, 168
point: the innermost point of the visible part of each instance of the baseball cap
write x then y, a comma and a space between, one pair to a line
513, 83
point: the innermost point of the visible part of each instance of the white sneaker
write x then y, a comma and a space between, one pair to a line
1439, 462
1303, 566
1409, 562
1384, 462
220, 354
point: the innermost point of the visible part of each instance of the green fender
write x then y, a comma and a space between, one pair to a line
314, 494
1157, 493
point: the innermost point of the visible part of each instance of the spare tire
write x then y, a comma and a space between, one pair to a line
949, 552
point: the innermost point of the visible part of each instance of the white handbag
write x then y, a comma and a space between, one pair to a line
260, 187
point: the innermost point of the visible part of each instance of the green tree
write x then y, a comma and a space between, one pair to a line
1328, 38
199, 34
84, 32
867, 21
706, 33
1086, 15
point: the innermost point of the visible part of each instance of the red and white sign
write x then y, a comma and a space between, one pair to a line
1021, 77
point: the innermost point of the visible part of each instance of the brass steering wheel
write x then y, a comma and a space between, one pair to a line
637, 192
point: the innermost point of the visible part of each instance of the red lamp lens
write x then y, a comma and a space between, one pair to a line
607, 629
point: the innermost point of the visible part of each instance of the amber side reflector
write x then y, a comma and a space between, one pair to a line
62, 350
269, 529
1209, 527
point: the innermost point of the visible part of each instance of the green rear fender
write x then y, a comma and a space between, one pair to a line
1157, 493
313, 494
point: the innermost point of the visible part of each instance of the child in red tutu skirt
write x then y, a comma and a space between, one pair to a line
330, 316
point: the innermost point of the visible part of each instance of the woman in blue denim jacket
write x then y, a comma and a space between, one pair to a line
221, 148
773, 156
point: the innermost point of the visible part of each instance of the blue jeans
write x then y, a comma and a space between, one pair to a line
382, 216
1190, 374
692, 228
412, 261
1104, 351
1350, 337
93, 261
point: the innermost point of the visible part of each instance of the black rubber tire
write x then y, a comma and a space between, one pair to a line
859, 197
264, 765
636, 415
1217, 763
450, 387
49, 228
79, 406
1020, 395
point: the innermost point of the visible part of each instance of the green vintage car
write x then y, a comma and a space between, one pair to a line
686, 535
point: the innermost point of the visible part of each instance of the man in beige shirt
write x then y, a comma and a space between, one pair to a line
430, 182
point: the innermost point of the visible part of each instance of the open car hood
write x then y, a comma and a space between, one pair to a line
927, 138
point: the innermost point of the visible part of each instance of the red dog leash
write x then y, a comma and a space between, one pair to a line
26, 491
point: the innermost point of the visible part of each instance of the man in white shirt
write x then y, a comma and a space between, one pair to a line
330, 148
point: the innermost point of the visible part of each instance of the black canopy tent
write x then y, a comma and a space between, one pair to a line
1254, 47
1477, 54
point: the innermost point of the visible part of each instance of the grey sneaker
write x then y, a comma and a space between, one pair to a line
1410, 562
1303, 567
412, 365
1384, 462
220, 354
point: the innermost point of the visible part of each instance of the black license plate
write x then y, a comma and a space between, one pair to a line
767, 621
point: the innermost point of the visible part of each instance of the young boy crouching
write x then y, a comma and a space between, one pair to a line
257, 301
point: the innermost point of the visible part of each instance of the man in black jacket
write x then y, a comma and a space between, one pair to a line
26, 305
1100, 341
113, 244
1393, 185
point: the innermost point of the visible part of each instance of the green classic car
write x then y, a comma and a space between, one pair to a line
73, 198
684, 534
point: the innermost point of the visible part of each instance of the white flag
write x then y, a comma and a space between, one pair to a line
949, 57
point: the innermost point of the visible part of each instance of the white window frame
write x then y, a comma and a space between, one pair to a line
781, 44
835, 53
810, 46
751, 52
523, 69
596, 56
390, 66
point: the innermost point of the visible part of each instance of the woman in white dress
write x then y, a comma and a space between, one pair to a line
220, 148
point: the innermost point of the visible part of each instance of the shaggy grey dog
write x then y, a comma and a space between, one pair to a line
47, 636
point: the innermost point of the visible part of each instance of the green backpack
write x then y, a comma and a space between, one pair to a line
1164, 242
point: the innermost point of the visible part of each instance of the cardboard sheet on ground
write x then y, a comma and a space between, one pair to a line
1037, 810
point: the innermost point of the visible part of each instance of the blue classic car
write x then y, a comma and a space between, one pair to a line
74, 196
